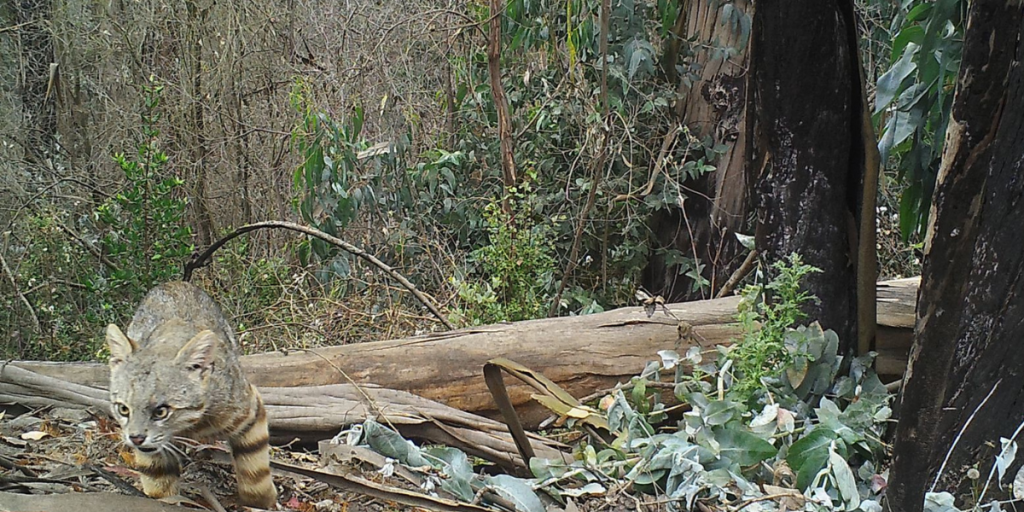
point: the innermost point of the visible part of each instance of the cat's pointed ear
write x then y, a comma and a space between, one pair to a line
198, 353
120, 346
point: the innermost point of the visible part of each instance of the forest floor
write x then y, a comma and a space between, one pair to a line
62, 452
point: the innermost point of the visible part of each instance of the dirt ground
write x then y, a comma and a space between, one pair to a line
60, 453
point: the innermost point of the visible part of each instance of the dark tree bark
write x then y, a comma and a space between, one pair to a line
808, 150
40, 116
966, 357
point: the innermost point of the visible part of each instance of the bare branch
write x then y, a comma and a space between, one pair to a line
202, 260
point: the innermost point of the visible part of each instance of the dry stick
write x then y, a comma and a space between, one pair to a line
89, 247
595, 182
211, 499
115, 480
203, 259
24, 300
738, 275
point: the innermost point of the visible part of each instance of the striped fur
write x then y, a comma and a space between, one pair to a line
160, 472
177, 374
250, 447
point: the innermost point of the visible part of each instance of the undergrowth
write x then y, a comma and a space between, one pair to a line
801, 432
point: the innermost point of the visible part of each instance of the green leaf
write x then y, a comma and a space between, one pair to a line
744, 448
890, 83
919, 11
813, 445
517, 491
845, 481
832, 418
389, 443
544, 469
720, 412
457, 468
810, 468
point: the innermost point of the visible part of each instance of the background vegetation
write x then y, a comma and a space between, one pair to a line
151, 128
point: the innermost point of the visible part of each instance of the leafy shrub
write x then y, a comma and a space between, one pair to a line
767, 314
515, 268
85, 271
145, 230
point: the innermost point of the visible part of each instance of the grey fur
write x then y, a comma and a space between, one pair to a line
157, 372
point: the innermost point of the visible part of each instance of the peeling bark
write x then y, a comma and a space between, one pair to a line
508, 166
970, 317
712, 104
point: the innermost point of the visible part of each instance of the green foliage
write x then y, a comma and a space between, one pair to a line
914, 97
434, 201
809, 428
145, 230
514, 269
329, 163
767, 313
84, 271
825, 427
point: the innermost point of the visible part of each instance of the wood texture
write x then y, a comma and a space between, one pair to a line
582, 354
962, 391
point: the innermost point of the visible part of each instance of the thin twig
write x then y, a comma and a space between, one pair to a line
211, 499
960, 434
202, 260
738, 275
16, 27
17, 290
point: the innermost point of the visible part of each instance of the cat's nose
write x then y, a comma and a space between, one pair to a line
137, 440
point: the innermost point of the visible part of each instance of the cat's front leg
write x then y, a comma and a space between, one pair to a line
160, 473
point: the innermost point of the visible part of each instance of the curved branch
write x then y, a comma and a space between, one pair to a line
202, 260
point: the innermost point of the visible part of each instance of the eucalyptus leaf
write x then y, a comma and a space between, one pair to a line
517, 491
844, 480
544, 469
389, 443
889, 84
939, 502
813, 445
458, 470
720, 412
744, 448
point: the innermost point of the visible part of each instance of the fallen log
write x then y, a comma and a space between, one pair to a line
582, 353
312, 413
83, 502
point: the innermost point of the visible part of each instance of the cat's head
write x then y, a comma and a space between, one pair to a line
155, 392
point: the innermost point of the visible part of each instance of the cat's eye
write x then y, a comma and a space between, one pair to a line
161, 412
123, 410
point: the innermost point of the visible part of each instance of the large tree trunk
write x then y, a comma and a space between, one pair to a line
713, 105
807, 147
967, 358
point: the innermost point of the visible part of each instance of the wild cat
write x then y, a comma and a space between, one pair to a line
177, 373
